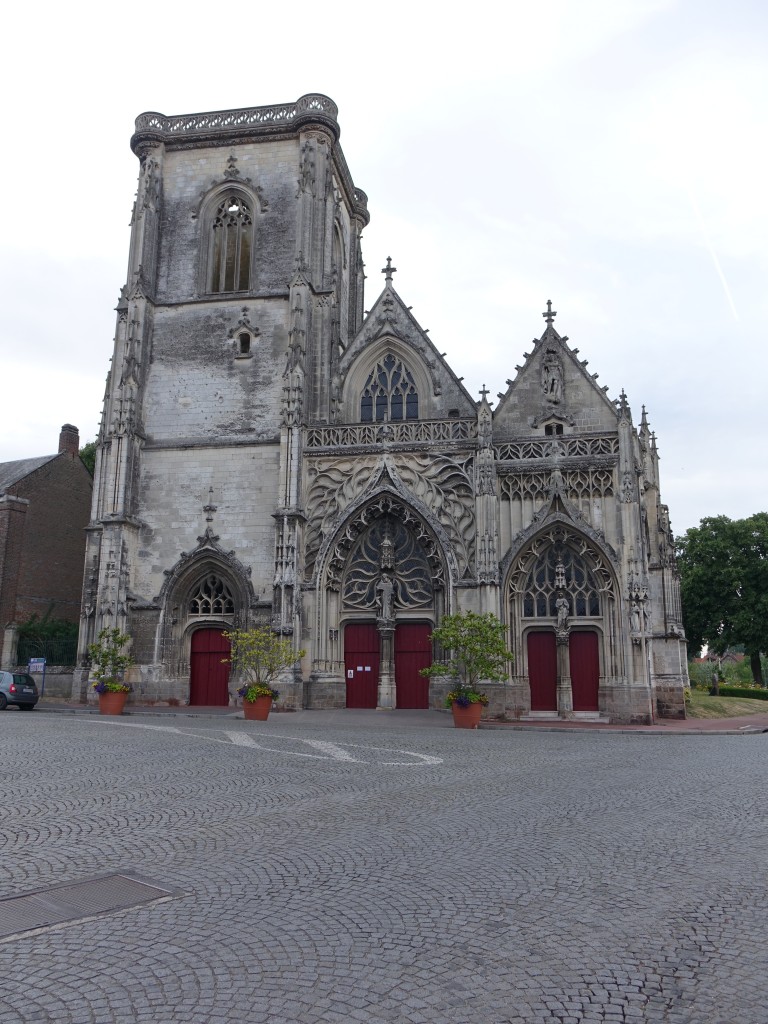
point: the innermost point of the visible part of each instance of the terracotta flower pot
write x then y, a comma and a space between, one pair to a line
257, 710
111, 703
468, 717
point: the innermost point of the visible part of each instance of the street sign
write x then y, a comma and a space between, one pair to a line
36, 666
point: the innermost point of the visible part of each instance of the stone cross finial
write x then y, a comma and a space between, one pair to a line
389, 270
549, 316
484, 391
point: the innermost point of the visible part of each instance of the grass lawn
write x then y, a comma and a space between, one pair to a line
704, 706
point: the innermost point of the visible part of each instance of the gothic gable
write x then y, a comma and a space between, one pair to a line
553, 393
391, 330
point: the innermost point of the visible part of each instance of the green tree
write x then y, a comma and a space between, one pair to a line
724, 585
260, 655
88, 455
475, 649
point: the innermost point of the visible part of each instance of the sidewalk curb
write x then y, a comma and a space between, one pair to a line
144, 711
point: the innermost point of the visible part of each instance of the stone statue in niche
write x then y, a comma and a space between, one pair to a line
561, 604
385, 596
635, 617
552, 376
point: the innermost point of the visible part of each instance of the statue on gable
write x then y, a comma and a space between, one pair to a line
552, 376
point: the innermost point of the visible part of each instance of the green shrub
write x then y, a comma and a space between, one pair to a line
756, 693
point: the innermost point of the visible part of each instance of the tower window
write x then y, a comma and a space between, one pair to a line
389, 393
244, 344
231, 241
553, 428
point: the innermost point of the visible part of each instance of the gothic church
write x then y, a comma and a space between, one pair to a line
268, 453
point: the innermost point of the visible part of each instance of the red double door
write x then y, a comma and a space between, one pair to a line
584, 660
413, 652
209, 671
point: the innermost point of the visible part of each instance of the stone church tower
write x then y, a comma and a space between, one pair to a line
270, 454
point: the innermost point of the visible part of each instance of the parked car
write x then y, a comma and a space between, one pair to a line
19, 689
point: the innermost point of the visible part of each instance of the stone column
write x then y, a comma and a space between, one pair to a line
387, 699
564, 688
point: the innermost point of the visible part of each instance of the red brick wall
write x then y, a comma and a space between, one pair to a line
13, 512
51, 569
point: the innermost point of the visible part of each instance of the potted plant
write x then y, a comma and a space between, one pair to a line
259, 655
109, 662
476, 650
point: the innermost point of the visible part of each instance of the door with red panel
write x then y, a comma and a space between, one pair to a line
361, 664
584, 656
209, 672
542, 670
413, 652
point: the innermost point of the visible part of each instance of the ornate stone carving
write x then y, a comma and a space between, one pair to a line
439, 484
552, 376
405, 432
582, 446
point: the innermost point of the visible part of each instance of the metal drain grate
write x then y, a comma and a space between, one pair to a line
74, 901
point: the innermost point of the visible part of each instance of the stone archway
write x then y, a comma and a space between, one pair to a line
563, 605
382, 588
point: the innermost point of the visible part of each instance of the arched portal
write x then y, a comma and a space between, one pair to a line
562, 607
383, 590
387, 582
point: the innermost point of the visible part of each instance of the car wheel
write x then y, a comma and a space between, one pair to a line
3, 702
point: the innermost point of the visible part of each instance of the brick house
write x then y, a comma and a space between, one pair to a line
44, 508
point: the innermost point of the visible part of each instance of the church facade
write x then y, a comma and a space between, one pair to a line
271, 454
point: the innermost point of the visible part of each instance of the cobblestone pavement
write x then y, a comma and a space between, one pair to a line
339, 871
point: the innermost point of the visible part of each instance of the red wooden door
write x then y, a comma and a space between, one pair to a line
361, 663
584, 657
413, 652
209, 673
542, 671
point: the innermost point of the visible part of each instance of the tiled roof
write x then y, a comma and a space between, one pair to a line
12, 472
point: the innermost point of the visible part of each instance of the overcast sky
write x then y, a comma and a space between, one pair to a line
607, 154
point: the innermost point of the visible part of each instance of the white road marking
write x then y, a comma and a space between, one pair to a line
326, 751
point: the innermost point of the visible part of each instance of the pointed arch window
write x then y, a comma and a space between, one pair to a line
211, 596
389, 393
230, 245
541, 589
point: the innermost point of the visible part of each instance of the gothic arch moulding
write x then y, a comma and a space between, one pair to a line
362, 364
207, 586
227, 217
559, 530
432, 493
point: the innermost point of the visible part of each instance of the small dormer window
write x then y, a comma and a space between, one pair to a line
553, 429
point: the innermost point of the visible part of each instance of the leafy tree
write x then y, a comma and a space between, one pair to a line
724, 585
475, 647
88, 455
260, 655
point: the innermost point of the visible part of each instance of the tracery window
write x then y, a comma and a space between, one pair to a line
541, 589
389, 393
212, 597
408, 569
231, 242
